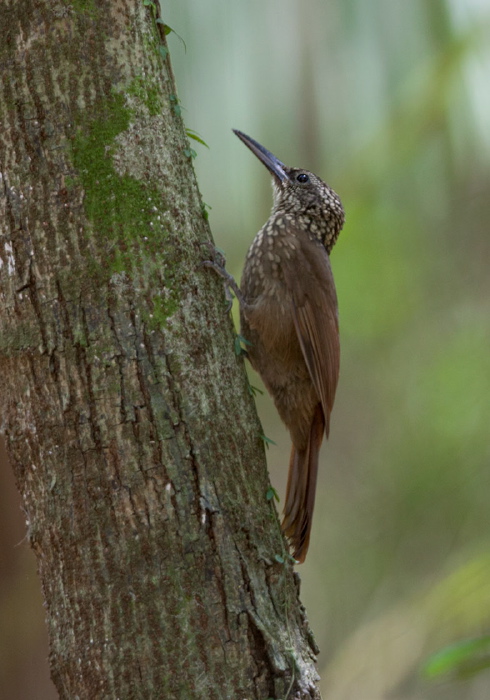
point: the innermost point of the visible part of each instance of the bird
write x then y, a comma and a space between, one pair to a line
289, 319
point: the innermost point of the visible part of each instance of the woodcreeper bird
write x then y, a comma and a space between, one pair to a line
289, 316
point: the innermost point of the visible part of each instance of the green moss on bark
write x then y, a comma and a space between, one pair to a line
119, 206
125, 212
82, 5
147, 93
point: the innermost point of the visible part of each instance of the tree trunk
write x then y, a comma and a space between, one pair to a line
127, 415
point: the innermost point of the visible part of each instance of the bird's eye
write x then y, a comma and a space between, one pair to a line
302, 177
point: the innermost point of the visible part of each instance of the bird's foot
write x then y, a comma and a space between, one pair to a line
216, 254
218, 265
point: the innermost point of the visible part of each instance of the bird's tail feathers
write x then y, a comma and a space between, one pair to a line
301, 487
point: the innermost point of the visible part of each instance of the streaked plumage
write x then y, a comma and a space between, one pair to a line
289, 314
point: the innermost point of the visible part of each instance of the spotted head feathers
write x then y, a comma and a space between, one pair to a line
301, 195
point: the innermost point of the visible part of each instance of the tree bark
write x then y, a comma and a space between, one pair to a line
127, 414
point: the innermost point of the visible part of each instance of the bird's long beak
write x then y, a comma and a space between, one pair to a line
268, 159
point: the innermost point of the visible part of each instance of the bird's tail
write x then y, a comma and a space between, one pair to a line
301, 487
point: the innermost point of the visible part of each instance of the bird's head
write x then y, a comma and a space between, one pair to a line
301, 194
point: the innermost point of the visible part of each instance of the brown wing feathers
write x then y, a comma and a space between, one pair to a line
314, 308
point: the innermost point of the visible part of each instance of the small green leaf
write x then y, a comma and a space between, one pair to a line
461, 658
168, 30
238, 347
254, 390
150, 3
267, 440
205, 213
193, 135
240, 337
163, 51
272, 493
190, 152
279, 559
176, 108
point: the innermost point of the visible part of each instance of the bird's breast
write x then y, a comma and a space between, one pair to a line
271, 248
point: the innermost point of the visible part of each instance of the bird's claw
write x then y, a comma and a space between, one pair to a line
217, 255
231, 287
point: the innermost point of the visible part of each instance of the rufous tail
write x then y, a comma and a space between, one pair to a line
301, 487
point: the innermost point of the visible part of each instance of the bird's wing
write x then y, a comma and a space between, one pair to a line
315, 314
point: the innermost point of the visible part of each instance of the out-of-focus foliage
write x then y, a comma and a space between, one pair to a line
461, 659
391, 653
389, 102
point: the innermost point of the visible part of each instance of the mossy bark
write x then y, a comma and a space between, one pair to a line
128, 420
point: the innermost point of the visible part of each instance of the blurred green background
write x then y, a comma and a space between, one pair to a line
389, 102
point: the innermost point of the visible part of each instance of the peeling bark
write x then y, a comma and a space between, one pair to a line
127, 416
